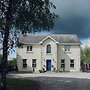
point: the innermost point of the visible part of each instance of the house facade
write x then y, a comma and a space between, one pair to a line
51, 52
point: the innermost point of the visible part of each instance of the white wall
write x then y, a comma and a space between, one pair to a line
73, 54
52, 56
57, 53
35, 54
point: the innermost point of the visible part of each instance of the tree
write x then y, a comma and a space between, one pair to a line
25, 16
12, 65
0, 58
85, 55
0, 62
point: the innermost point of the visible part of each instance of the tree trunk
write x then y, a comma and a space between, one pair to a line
5, 47
4, 61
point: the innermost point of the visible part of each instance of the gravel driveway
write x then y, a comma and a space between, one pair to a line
59, 81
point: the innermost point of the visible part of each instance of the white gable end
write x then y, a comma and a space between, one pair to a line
48, 37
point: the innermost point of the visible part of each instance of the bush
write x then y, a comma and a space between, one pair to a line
12, 65
42, 71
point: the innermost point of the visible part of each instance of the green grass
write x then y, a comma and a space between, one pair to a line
20, 84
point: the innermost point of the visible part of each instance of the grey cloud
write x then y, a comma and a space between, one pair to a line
74, 17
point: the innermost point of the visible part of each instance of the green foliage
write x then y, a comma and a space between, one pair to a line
13, 62
27, 15
85, 55
12, 65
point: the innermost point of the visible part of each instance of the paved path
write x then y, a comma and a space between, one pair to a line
52, 74
59, 81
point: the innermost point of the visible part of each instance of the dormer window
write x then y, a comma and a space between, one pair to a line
48, 48
29, 48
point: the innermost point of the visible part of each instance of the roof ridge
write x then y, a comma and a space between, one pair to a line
49, 34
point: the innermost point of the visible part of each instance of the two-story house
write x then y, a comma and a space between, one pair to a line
49, 52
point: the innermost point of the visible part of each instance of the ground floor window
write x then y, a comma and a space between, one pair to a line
72, 63
63, 63
33, 63
24, 63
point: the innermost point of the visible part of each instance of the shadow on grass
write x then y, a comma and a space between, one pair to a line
21, 84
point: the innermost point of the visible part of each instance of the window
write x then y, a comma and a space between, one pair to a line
67, 48
48, 48
62, 63
24, 63
29, 48
34, 63
72, 63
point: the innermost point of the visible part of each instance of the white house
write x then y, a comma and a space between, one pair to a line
51, 52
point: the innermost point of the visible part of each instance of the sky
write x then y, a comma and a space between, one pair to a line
74, 19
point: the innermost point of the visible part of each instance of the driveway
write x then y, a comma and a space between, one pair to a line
59, 81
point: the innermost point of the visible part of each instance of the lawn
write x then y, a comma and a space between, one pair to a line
21, 84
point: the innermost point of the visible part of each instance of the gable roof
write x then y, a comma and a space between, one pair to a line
47, 38
60, 38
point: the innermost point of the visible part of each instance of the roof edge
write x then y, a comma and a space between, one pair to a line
47, 38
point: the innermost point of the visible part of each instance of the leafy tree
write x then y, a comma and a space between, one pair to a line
85, 55
26, 16
12, 65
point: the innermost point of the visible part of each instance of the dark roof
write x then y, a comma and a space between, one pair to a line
61, 38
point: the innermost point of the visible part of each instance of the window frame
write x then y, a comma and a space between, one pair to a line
72, 64
24, 65
34, 63
67, 48
63, 63
48, 48
29, 48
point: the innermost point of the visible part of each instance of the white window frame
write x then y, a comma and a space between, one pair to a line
24, 65
67, 48
62, 64
47, 50
29, 48
72, 63
34, 64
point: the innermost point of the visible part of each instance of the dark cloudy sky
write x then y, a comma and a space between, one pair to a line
74, 17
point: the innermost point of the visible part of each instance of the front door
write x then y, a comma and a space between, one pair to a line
48, 65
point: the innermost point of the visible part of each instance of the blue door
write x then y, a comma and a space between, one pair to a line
48, 65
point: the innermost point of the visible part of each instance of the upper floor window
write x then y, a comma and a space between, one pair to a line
24, 63
48, 48
67, 48
29, 48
